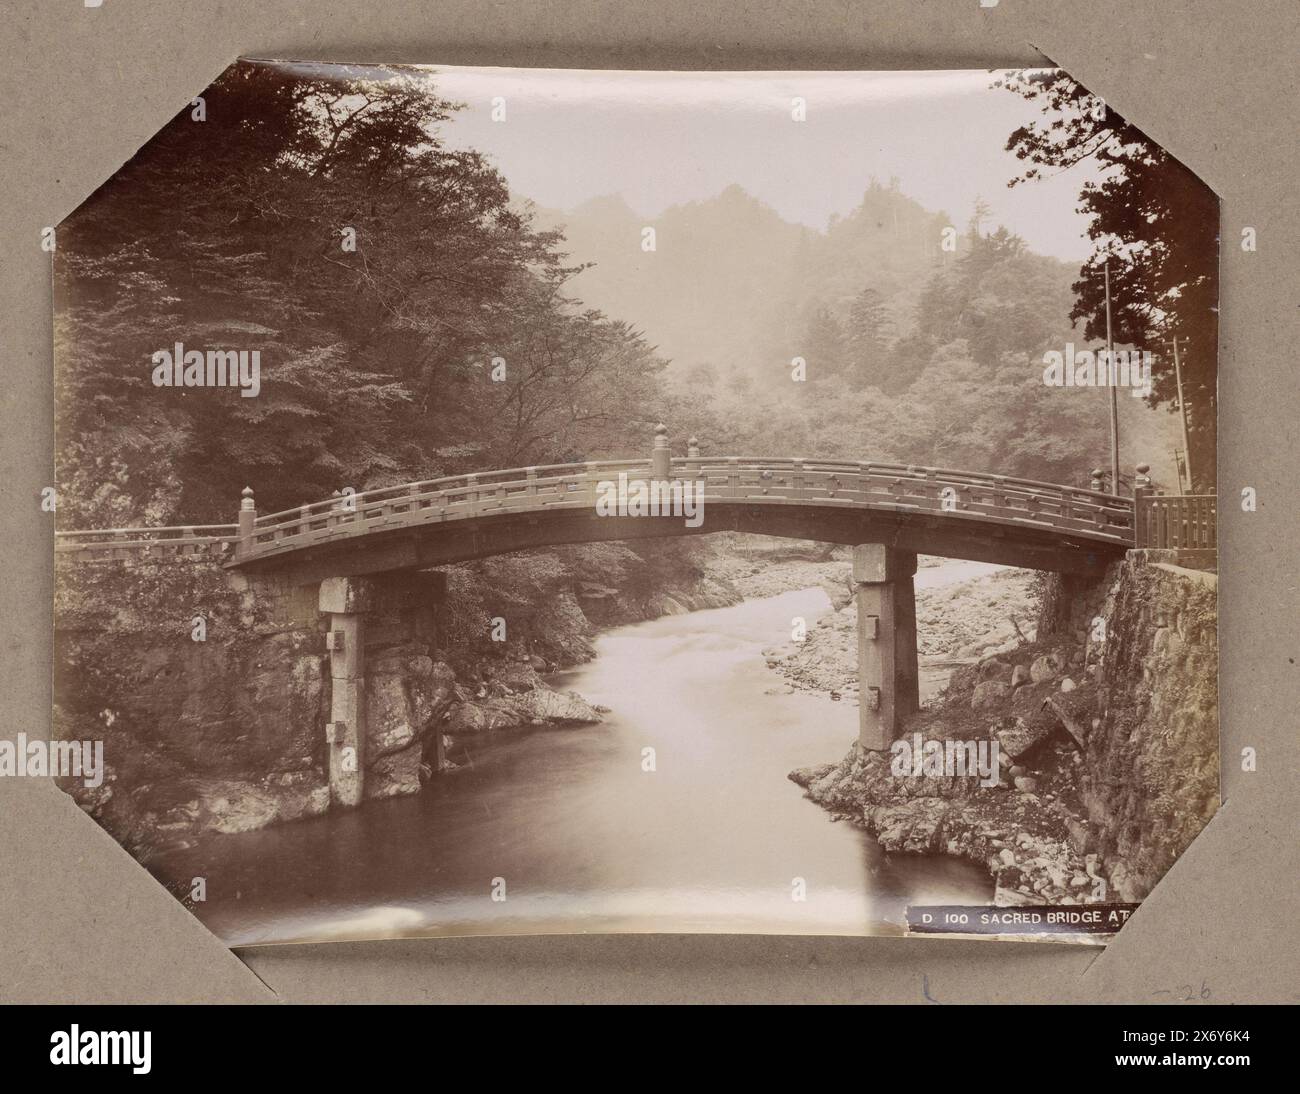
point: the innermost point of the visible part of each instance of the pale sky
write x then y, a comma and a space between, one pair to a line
665, 138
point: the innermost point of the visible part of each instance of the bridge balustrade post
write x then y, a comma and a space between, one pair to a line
1141, 506
661, 467
932, 491
247, 521
1098, 483
888, 677
999, 492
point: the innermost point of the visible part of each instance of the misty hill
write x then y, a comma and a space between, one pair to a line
719, 267
732, 284
913, 352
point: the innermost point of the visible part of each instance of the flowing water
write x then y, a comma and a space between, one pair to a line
574, 831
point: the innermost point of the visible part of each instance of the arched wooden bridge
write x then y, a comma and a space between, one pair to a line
958, 514
889, 513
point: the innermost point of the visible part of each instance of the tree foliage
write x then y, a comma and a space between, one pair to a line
1157, 223
318, 216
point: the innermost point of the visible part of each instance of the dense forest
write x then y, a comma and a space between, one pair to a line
912, 353
415, 318
231, 232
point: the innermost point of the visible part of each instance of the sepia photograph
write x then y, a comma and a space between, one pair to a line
503, 501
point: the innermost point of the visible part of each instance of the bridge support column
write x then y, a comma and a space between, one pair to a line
345, 600
888, 681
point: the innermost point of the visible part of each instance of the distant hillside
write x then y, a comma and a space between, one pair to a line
720, 266
913, 352
733, 285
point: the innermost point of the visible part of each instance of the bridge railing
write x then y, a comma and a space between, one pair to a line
182, 539
347, 515
1001, 498
961, 495
1179, 521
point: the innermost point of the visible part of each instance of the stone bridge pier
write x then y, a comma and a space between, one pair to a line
888, 680
345, 600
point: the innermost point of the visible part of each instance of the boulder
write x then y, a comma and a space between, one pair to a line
806, 776
470, 718
1013, 898
1018, 737
516, 675
913, 828
390, 723
393, 775
233, 806
1046, 667
1072, 716
994, 669
1019, 676
555, 706
1124, 886
1081, 838
990, 693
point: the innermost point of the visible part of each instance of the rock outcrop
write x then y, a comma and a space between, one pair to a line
221, 727
1107, 727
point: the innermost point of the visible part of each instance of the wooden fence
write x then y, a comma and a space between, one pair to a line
1188, 521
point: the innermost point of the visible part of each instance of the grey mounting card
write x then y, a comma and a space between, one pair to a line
521, 501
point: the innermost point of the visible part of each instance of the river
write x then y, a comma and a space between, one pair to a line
583, 829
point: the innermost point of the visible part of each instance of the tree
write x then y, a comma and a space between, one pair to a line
823, 344
867, 340
318, 217
997, 297
1157, 222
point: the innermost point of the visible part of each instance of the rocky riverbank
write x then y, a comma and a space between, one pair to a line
957, 623
1107, 730
1021, 827
219, 728
1028, 829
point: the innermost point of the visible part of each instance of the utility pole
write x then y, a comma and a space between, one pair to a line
1112, 381
1182, 416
